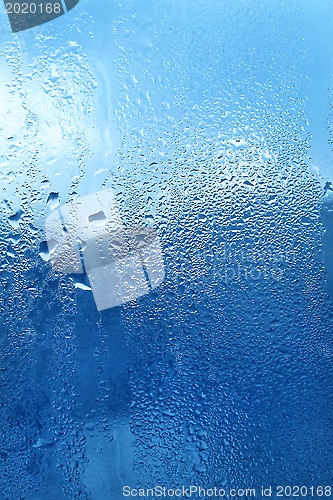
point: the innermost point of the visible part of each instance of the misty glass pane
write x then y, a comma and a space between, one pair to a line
166, 262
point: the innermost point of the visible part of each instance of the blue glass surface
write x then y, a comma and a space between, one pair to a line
211, 122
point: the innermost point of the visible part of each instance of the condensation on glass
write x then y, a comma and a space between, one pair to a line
211, 124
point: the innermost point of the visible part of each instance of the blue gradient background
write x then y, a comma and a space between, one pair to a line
212, 122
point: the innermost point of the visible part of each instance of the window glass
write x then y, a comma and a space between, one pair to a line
166, 249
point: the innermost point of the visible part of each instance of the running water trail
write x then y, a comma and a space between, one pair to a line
319, 19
